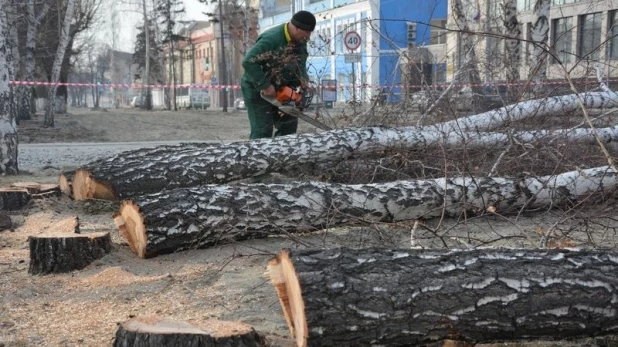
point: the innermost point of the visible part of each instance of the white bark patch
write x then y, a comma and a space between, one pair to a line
479, 285
522, 286
367, 314
337, 285
398, 255
465, 310
558, 312
503, 299
604, 311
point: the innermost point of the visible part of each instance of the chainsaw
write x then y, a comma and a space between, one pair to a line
293, 101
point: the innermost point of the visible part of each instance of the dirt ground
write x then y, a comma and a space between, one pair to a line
83, 308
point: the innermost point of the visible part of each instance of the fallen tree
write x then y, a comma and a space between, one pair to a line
200, 217
151, 170
403, 297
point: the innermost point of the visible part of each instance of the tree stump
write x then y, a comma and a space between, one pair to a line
13, 198
5, 221
64, 252
156, 331
343, 297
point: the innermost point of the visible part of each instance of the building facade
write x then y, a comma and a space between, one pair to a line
396, 35
582, 34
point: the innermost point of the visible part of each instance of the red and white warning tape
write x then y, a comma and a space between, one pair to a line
234, 86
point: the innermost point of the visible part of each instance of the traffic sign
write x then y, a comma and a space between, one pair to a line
352, 40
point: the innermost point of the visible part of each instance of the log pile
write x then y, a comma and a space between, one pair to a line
157, 331
405, 297
64, 249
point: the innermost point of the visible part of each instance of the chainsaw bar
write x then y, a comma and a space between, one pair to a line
295, 112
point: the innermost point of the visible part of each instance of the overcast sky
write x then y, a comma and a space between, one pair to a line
129, 19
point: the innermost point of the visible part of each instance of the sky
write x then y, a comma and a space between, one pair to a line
130, 18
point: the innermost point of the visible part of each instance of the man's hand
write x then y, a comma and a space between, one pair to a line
269, 91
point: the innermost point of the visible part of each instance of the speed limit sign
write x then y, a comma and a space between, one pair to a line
352, 40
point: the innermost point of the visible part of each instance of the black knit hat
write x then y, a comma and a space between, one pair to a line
304, 20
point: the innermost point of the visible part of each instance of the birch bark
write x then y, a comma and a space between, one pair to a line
513, 49
62, 46
8, 126
540, 35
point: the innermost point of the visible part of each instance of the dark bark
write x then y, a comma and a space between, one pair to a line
64, 252
156, 331
13, 198
5, 222
405, 297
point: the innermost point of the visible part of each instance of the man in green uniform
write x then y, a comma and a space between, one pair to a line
277, 59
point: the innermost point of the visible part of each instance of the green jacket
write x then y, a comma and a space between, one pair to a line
272, 60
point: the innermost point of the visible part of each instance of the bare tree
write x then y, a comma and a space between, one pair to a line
540, 35
470, 64
513, 47
8, 127
64, 42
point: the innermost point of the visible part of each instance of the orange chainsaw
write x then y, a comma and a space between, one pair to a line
293, 101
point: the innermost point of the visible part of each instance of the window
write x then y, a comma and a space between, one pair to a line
314, 1
438, 31
589, 35
612, 32
562, 39
525, 5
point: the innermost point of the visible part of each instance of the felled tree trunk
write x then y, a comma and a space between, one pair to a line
343, 297
150, 170
201, 217
156, 331
63, 249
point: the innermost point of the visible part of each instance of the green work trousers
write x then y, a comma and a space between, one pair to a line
265, 117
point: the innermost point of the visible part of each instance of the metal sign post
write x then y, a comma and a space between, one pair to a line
352, 41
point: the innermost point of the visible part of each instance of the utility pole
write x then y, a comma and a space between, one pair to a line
223, 66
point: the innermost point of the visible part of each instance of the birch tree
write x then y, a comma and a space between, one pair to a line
540, 35
148, 103
471, 74
62, 46
8, 126
513, 47
24, 97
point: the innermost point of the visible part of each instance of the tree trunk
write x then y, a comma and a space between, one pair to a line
513, 49
64, 252
343, 297
8, 126
157, 331
471, 74
201, 217
13, 198
5, 222
540, 35
59, 59
147, 103
151, 170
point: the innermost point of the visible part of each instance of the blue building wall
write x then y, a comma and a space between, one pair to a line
395, 16
392, 21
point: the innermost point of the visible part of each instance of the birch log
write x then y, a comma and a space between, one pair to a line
201, 217
151, 170
343, 297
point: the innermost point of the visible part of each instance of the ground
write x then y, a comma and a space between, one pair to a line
83, 308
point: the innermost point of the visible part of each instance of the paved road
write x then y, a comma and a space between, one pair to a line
38, 156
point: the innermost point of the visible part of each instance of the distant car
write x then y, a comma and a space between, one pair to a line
239, 104
136, 101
